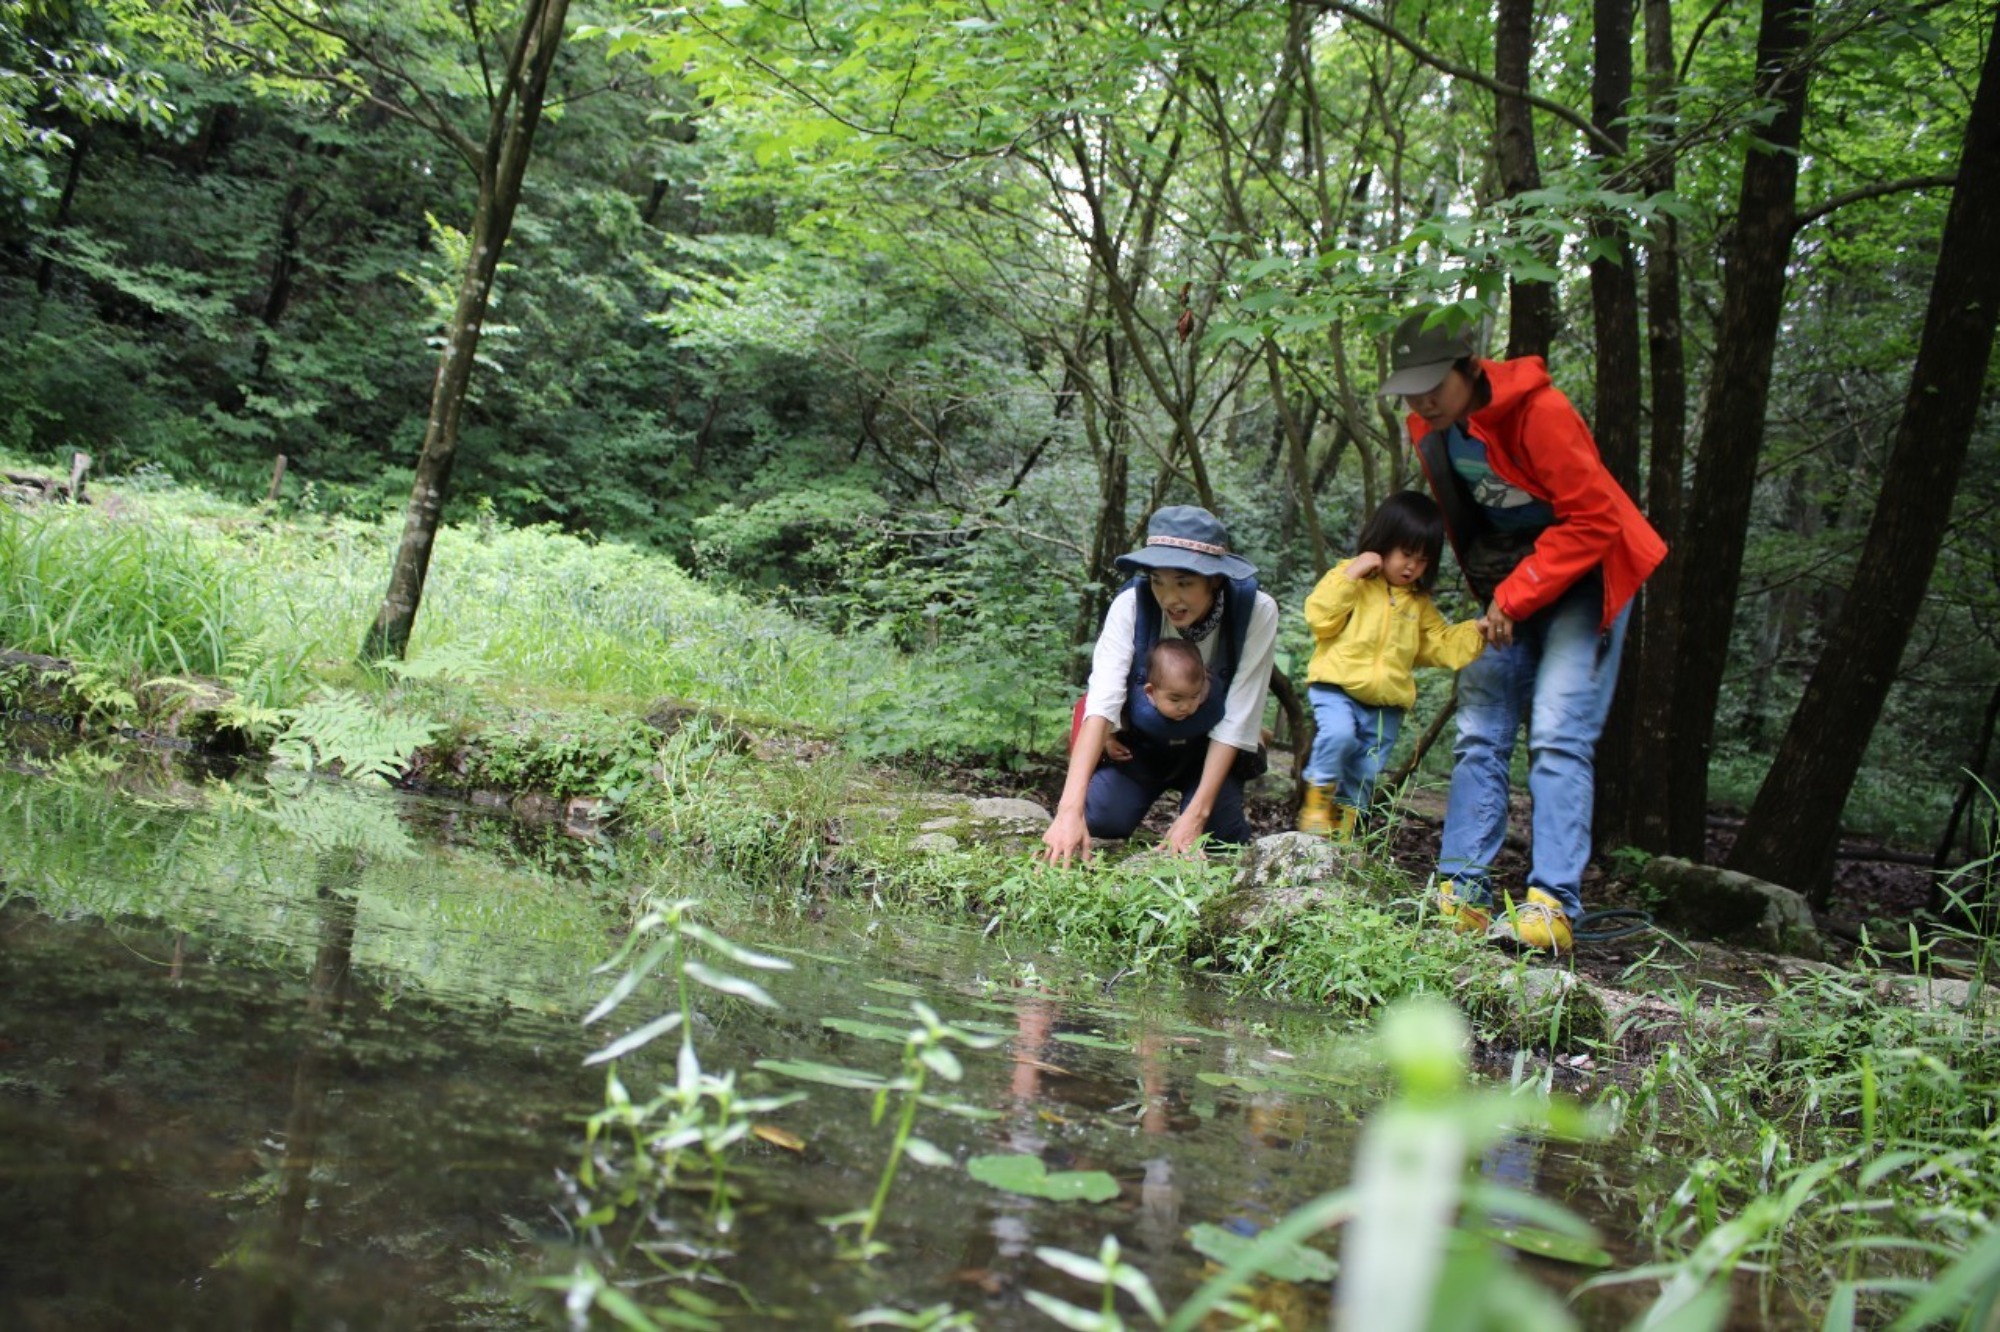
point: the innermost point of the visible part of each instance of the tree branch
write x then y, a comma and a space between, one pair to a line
1582, 124
1862, 193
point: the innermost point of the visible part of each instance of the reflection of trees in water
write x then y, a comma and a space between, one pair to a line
326, 1006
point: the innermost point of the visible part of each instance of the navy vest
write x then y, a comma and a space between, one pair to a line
1143, 721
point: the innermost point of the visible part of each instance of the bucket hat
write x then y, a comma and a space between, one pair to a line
1186, 536
1419, 357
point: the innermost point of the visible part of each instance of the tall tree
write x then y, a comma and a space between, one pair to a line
1614, 306
1739, 390
1658, 620
1532, 304
500, 162
1792, 829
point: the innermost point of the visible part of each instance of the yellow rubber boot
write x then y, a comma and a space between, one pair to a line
1463, 916
1344, 819
1316, 814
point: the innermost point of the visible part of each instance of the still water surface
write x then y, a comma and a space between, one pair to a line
305, 1056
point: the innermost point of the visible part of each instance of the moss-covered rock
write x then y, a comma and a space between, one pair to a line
1284, 875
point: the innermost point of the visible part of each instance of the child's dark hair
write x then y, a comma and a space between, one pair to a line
1407, 520
1175, 661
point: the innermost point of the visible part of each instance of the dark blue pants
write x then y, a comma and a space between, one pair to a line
1121, 793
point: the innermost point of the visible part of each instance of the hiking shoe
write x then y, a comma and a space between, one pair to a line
1463, 915
1537, 923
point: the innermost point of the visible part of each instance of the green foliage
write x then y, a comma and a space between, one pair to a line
345, 733
581, 751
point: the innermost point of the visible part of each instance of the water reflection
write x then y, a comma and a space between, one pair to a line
287, 1060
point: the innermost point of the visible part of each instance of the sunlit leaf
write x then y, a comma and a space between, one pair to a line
734, 986
735, 952
630, 981
926, 1153
1283, 1259
632, 1040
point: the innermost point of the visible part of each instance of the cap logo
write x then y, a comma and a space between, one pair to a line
1183, 543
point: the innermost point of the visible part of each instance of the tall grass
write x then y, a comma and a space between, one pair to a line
183, 589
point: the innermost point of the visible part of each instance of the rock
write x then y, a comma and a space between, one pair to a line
1009, 810
937, 825
934, 843
1281, 876
1931, 994
1556, 1007
1723, 904
583, 816
535, 807
668, 715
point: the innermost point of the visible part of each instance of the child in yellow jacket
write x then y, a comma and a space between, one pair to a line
1373, 622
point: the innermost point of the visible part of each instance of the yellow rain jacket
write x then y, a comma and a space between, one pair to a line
1368, 637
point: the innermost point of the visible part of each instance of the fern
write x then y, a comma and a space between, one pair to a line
343, 730
454, 661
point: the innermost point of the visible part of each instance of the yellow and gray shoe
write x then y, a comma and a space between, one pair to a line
1537, 923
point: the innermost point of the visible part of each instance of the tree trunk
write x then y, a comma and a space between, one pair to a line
45, 275
1658, 616
510, 136
1614, 305
1794, 823
1753, 298
1295, 457
1533, 304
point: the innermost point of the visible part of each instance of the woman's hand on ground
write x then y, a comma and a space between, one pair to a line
1184, 838
1066, 838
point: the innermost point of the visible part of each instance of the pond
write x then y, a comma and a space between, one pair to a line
294, 1054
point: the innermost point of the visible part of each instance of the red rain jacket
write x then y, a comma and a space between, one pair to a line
1536, 440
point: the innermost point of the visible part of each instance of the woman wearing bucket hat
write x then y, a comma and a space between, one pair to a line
1555, 550
1186, 584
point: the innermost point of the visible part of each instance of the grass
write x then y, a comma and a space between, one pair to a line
277, 609
1875, 1125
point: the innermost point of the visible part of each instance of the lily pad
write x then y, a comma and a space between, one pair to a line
1027, 1175
898, 987
1548, 1244
1093, 1042
867, 1031
826, 1074
1284, 1260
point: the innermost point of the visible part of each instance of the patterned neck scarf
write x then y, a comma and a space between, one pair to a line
1208, 623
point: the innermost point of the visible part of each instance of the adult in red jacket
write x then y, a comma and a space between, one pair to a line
1556, 550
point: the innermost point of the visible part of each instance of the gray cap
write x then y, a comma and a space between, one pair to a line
1190, 538
1419, 357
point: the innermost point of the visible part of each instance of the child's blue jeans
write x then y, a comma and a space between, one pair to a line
1351, 744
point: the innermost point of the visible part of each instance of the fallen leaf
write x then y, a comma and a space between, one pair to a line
778, 1137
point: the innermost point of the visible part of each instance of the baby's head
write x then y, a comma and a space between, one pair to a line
1176, 679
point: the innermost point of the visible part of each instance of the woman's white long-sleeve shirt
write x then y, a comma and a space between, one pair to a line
1242, 722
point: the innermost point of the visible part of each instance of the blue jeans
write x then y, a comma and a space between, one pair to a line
1351, 743
1121, 793
1557, 676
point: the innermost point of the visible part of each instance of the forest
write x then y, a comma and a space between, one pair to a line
709, 429
905, 317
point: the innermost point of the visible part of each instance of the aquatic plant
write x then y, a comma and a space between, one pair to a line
926, 1052
634, 1150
